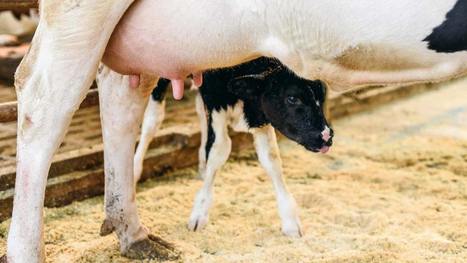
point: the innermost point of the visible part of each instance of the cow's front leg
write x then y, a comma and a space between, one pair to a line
269, 157
51, 81
122, 108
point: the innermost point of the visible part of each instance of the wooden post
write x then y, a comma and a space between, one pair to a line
8, 110
18, 4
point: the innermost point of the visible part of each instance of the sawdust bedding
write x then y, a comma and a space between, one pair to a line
392, 189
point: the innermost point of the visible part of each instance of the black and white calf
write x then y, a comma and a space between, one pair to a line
253, 97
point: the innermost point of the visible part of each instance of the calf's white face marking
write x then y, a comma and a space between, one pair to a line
326, 134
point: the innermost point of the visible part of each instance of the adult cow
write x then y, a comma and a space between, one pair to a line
346, 44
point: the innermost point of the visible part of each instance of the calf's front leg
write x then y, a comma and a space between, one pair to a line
122, 108
218, 147
51, 82
269, 157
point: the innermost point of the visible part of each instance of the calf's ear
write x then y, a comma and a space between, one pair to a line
321, 91
247, 87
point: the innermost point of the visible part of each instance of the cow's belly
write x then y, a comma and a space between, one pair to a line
395, 57
172, 39
392, 66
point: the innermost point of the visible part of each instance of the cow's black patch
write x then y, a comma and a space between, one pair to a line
451, 35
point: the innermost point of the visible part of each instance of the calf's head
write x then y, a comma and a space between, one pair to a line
293, 105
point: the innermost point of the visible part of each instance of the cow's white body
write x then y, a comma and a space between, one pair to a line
347, 43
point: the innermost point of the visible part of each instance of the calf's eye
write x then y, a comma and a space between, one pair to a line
291, 100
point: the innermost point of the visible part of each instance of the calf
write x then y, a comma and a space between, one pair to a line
253, 97
346, 44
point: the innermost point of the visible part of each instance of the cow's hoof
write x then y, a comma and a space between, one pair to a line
152, 248
107, 228
3, 259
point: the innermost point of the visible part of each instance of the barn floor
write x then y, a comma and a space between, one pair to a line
392, 189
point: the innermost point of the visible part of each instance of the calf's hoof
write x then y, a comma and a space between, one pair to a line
292, 229
200, 213
198, 220
3, 259
152, 248
197, 224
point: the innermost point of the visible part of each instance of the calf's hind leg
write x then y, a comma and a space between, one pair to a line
51, 82
269, 157
152, 121
218, 147
122, 108
203, 122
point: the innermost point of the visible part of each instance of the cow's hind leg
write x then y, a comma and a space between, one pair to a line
218, 147
51, 81
152, 121
269, 157
122, 109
